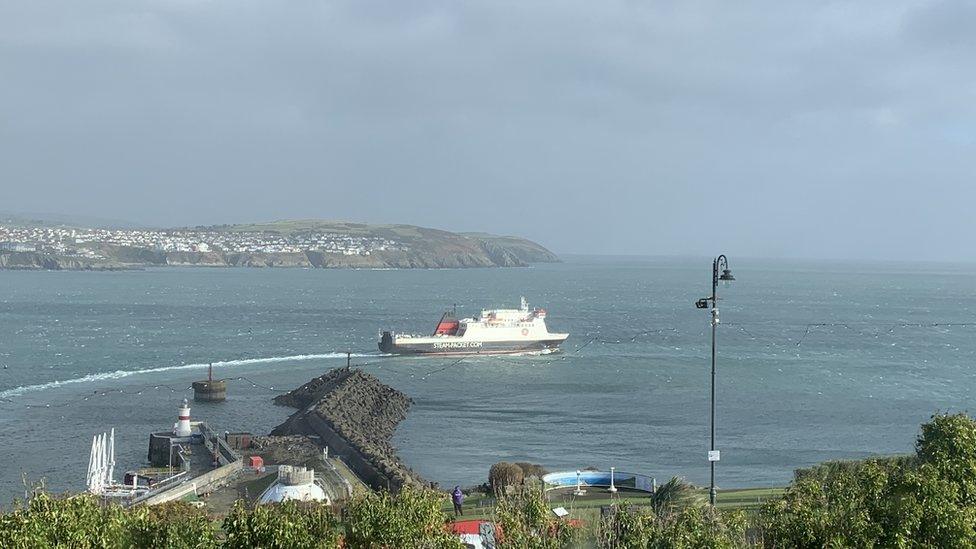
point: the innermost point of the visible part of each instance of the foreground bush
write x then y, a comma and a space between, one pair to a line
411, 518
285, 525
83, 521
527, 522
504, 475
675, 521
408, 519
929, 501
175, 525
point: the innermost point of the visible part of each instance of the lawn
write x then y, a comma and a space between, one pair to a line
479, 506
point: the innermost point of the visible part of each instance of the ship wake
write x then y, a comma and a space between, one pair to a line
121, 374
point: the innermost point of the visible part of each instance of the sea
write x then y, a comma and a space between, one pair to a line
815, 361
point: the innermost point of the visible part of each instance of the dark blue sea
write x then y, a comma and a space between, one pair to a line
816, 361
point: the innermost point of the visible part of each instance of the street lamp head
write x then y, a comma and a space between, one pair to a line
726, 276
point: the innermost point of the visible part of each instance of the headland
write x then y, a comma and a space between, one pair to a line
29, 245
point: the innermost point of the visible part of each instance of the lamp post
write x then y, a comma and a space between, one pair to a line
720, 262
579, 484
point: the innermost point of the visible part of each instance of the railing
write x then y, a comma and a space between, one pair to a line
225, 454
621, 479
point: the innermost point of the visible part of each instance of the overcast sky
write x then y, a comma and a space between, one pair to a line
812, 129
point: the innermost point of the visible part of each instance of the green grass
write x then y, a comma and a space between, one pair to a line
358, 487
290, 226
747, 499
479, 506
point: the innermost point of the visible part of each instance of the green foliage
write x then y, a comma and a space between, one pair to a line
531, 469
829, 469
677, 521
948, 444
925, 501
411, 518
927, 512
290, 524
840, 510
408, 519
85, 522
176, 525
46, 521
503, 475
527, 522
671, 495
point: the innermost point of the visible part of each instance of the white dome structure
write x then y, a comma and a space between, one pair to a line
294, 483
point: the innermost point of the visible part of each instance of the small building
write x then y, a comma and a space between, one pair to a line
238, 441
8, 246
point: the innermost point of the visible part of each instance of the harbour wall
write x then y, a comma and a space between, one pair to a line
356, 461
355, 415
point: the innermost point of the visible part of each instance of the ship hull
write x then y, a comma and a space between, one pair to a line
455, 348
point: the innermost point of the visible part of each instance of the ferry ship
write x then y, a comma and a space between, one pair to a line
497, 331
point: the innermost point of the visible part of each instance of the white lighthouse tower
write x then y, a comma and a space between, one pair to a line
182, 427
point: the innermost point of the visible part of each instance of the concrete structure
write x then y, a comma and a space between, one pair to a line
294, 483
190, 459
204, 460
210, 390
238, 441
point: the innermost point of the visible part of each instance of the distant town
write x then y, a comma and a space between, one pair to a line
90, 243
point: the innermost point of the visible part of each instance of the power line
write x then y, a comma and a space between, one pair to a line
808, 330
456, 362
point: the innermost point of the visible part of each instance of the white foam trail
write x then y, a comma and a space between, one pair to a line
119, 374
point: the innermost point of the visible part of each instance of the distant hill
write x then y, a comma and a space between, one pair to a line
423, 242
20, 219
289, 243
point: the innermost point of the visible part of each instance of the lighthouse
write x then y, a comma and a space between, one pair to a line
182, 427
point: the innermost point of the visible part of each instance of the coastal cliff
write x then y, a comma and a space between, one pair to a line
32, 261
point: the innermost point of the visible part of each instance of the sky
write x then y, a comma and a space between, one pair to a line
767, 129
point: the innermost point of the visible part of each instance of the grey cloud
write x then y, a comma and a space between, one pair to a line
830, 129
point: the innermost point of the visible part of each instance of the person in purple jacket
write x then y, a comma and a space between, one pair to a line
458, 498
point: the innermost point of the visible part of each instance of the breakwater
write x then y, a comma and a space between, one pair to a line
355, 415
